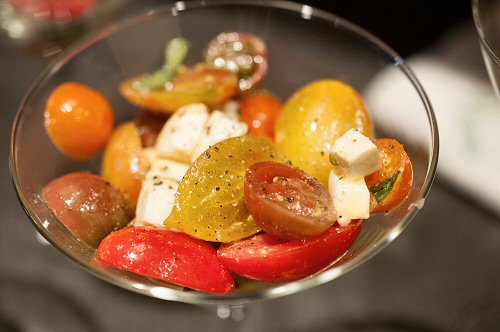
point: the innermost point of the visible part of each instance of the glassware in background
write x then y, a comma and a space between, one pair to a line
45, 27
486, 15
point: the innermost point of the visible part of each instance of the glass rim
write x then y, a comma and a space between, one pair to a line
482, 36
163, 292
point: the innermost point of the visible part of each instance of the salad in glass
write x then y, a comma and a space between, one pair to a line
217, 180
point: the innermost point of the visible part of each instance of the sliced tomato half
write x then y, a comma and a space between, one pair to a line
267, 258
287, 202
390, 185
167, 255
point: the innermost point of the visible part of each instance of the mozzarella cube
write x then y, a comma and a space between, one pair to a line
218, 128
350, 195
167, 169
181, 133
232, 110
155, 202
356, 153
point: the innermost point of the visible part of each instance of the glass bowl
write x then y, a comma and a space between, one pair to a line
305, 44
486, 15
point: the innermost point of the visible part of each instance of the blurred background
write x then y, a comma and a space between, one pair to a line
441, 274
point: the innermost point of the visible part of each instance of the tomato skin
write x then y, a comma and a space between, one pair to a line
260, 112
124, 163
267, 258
231, 47
167, 255
88, 206
286, 202
313, 118
79, 120
394, 159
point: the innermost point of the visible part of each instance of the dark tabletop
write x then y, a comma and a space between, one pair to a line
441, 274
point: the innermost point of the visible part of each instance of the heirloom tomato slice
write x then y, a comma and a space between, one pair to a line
287, 202
209, 203
200, 84
390, 185
266, 258
167, 255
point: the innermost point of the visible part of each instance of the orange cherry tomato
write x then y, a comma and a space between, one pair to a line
260, 112
391, 184
79, 120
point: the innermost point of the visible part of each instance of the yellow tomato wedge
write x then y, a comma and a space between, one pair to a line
209, 203
313, 118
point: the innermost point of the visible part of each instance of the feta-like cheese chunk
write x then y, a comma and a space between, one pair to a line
165, 168
356, 153
155, 202
350, 195
181, 133
218, 128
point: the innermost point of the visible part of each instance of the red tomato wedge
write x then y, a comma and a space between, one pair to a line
167, 255
260, 112
287, 202
390, 185
267, 258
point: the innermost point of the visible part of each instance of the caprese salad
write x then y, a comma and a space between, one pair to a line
216, 177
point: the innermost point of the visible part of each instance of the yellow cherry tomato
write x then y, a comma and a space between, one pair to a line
313, 118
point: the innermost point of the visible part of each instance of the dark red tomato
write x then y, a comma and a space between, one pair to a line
391, 184
149, 125
87, 205
167, 255
286, 202
266, 258
260, 112
241, 53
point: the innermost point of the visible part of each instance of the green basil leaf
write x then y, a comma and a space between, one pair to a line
384, 188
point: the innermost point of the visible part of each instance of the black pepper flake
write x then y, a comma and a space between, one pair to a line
217, 188
158, 183
226, 171
290, 199
208, 155
322, 153
272, 156
230, 156
216, 149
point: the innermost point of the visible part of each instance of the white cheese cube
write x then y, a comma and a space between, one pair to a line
356, 153
167, 169
155, 202
232, 110
218, 128
181, 133
350, 195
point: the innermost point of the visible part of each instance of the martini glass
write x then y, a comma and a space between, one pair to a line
486, 15
305, 44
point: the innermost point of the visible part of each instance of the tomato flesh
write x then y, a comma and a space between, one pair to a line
286, 202
396, 173
167, 255
267, 258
